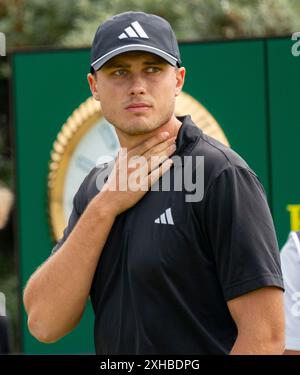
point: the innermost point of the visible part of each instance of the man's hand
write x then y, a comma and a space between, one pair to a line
136, 171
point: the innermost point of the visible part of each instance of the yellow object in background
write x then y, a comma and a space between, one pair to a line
294, 210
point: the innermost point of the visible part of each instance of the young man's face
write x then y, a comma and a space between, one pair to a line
137, 91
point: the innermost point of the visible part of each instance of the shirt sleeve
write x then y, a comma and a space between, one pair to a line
79, 204
240, 232
290, 260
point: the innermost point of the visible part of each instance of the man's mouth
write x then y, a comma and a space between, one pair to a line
138, 107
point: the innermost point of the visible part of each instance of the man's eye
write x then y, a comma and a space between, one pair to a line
153, 69
120, 72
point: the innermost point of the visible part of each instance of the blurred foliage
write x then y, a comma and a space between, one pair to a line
73, 23
40, 23
5, 161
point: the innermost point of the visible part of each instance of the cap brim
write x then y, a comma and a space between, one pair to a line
97, 64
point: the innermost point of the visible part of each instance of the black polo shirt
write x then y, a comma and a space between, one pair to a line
169, 266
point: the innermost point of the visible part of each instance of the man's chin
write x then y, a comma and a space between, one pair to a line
137, 129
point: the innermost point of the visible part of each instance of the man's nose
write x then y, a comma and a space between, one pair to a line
137, 85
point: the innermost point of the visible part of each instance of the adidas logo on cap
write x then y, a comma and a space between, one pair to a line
136, 31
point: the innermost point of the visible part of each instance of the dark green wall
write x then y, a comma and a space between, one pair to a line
47, 87
284, 115
249, 86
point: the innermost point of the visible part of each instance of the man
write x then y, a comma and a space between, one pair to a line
290, 259
165, 275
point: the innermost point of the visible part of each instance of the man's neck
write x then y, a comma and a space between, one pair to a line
130, 141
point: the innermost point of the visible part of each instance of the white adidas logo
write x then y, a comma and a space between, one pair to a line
136, 31
165, 218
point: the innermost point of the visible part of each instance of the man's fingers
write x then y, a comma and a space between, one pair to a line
161, 148
148, 144
155, 160
140, 162
158, 172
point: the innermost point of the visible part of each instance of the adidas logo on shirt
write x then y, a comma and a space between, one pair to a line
165, 218
136, 31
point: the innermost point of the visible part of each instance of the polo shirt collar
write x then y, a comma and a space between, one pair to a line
187, 135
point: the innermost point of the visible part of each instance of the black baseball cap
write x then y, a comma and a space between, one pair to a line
134, 31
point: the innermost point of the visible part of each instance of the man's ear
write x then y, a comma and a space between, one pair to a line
180, 75
93, 86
